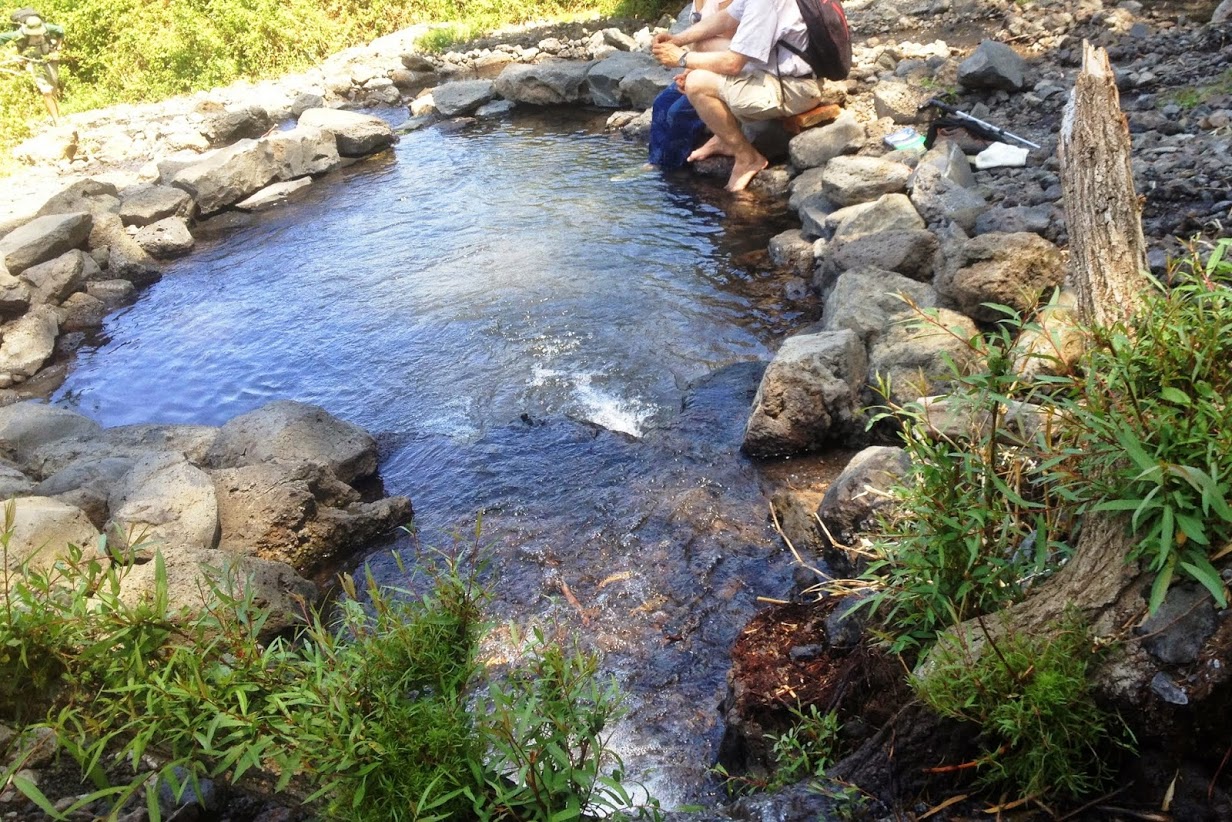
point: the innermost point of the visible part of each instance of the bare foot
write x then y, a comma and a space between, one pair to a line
745, 170
713, 146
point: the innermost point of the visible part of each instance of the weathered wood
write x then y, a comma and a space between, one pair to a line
1104, 218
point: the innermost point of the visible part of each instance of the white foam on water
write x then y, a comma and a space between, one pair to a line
595, 404
612, 412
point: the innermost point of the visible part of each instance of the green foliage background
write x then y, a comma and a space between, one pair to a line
131, 51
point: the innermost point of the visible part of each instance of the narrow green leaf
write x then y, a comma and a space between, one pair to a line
1201, 569
1160, 587
1176, 396
31, 791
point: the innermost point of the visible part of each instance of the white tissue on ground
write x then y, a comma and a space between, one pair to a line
999, 155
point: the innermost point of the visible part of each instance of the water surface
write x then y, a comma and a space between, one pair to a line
531, 332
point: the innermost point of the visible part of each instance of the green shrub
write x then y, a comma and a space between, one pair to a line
1151, 433
548, 757
369, 714
972, 524
118, 51
1043, 734
805, 749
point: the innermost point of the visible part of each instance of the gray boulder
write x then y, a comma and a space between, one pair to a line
809, 395
815, 147
805, 187
1036, 219
858, 496
413, 61
410, 82
26, 343
55, 280
304, 151
43, 529
1222, 13
850, 180
228, 175
942, 188
294, 431
147, 204
91, 196
86, 483
496, 108
81, 312
298, 513
357, 135
462, 97
126, 260
550, 83
166, 239
193, 442
641, 86
14, 295
792, 249
273, 195
889, 212
993, 65
814, 215
907, 252
164, 503
43, 239
1008, 269
112, 293
946, 159
915, 358
247, 123
28, 427
13, 482
899, 101
869, 300
604, 78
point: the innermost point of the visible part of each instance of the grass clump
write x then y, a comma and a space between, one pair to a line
367, 713
121, 51
973, 524
1033, 704
1150, 431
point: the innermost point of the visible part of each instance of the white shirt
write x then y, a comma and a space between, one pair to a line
762, 24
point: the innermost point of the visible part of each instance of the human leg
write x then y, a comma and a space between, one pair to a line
704, 91
660, 123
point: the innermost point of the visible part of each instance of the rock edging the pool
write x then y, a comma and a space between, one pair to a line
268, 498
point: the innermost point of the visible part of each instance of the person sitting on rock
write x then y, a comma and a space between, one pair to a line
753, 79
675, 128
38, 45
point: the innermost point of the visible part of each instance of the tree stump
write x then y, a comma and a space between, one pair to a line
1104, 217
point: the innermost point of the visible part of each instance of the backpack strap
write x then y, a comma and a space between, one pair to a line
799, 53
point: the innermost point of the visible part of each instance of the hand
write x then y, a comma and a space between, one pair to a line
667, 53
662, 37
680, 78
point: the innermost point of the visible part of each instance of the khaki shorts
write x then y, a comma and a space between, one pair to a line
757, 95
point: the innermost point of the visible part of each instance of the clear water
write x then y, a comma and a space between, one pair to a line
519, 320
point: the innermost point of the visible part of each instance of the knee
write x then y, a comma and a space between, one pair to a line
700, 82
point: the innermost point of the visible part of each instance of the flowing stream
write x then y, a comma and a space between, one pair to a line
532, 332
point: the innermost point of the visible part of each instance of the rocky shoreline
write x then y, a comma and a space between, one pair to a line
112, 193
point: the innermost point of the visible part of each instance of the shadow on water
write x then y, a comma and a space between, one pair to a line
533, 333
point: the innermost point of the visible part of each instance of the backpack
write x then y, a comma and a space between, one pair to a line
829, 39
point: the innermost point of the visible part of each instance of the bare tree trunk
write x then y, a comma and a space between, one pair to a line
1107, 265
1107, 250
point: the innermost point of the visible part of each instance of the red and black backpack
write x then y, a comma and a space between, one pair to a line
829, 39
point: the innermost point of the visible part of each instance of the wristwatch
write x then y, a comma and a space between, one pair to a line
684, 55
